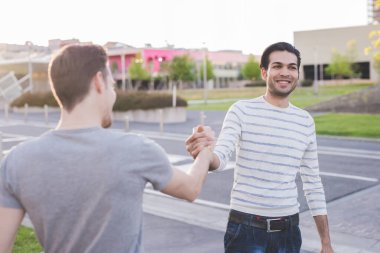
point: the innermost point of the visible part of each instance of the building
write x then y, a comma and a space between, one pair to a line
23, 60
227, 63
316, 47
30, 59
33, 60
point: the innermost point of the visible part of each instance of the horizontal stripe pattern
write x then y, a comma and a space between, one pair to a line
272, 145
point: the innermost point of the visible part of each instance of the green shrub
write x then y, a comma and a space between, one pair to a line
306, 83
124, 101
37, 99
256, 83
145, 100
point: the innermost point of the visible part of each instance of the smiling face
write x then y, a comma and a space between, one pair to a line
282, 74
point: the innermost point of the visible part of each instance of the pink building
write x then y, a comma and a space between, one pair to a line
152, 57
227, 64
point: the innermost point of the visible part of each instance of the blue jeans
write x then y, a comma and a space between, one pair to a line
241, 238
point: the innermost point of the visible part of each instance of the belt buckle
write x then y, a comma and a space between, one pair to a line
269, 230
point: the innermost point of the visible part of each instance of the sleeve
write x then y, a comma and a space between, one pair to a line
229, 135
156, 167
312, 184
7, 196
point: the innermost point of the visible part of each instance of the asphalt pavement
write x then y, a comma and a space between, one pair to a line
172, 225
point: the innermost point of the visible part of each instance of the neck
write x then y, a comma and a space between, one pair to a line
81, 116
282, 102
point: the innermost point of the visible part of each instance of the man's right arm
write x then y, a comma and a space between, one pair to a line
215, 163
229, 137
187, 185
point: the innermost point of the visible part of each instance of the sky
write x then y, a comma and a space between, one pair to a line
246, 25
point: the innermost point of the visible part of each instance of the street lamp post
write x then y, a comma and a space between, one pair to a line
151, 68
123, 71
30, 67
315, 84
204, 74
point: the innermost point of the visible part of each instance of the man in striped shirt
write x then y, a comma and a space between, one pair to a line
273, 140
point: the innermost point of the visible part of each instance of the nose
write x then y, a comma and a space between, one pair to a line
284, 72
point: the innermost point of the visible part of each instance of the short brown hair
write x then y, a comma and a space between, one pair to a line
71, 72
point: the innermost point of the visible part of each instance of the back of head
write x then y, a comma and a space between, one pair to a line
279, 46
71, 71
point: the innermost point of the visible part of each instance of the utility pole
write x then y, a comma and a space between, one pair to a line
205, 88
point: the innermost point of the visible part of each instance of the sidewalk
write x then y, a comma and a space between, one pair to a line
353, 228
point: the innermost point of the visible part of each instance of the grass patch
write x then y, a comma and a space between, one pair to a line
301, 97
304, 96
223, 93
356, 125
26, 241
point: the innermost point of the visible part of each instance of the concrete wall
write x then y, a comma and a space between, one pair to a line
316, 45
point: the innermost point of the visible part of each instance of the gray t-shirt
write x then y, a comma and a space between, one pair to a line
83, 188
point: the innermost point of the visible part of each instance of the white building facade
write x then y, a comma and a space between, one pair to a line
316, 47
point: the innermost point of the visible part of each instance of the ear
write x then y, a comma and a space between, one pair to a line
99, 82
264, 73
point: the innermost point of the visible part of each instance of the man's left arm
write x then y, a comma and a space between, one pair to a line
321, 222
10, 220
314, 190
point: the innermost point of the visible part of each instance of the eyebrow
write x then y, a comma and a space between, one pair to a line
277, 62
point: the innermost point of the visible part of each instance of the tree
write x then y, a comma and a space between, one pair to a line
251, 69
137, 71
182, 69
340, 65
209, 69
374, 49
352, 55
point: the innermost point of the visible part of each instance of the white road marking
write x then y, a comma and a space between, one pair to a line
330, 174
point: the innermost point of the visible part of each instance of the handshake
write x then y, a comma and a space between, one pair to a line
203, 137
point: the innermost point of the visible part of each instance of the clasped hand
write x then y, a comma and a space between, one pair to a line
202, 137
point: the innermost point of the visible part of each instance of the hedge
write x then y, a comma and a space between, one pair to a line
145, 100
124, 100
256, 83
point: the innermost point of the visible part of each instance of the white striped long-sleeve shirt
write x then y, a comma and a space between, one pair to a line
272, 145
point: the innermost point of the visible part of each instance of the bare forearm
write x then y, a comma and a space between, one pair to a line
321, 222
198, 174
215, 163
10, 220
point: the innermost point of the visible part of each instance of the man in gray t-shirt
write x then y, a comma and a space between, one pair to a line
82, 185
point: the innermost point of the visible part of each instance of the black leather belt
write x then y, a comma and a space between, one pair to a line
270, 224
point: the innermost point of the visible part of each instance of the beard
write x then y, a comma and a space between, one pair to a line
107, 121
274, 91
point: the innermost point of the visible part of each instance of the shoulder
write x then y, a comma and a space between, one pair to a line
247, 104
23, 152
250, 102
303, 114
135, 141
115, 136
